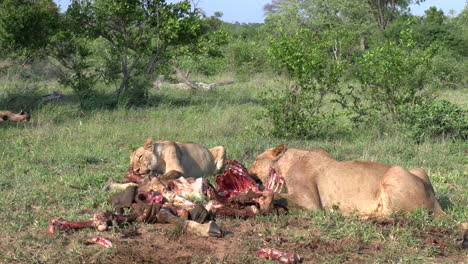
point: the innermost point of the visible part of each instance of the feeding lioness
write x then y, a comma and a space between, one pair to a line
315, 180
174, 159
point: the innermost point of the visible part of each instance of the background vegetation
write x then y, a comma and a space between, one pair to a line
329, 74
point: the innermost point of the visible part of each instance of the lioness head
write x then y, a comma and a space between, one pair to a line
143, 160
261, 167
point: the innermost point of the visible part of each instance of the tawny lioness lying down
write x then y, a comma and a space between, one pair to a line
175, 159
315, 180
21, 117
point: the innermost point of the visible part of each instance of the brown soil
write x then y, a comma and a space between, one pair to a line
314, 241
162, 243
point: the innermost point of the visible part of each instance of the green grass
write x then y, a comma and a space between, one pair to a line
64, 146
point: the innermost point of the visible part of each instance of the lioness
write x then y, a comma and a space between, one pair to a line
315, 180
21, 117
174, 159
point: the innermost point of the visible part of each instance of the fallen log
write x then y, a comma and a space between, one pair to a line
54, 97
185, 83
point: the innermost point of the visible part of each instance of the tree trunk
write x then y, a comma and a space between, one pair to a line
363, 43
126, 72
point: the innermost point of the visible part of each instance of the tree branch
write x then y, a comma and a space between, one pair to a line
182, 77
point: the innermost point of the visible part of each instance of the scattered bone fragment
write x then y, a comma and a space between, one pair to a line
144, 210
116, 186
100, 241
186, 187
275, 254
101, 220
205, 230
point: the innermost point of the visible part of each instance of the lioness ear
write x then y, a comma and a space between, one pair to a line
149, 144
278, 151
21, 112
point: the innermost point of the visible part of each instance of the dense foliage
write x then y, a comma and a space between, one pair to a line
391, 62
314, 60
391, 75
433, 118
343, 62
26, 26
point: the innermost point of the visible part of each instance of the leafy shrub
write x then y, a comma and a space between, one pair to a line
206, 57
20, 95
433, 118
295, 115
449, 71
25, 26
247, 56
392, 75
74, 69
203, 64
313, 60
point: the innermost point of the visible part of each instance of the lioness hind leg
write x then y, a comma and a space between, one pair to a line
420, 173
423, 176
219, 155
401, 190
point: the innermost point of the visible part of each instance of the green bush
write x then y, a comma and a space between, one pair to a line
246, 56
206, 57
295, 115
307, 108
434, 118
391, 76
25, 26
203, 64
449, 71
20, 95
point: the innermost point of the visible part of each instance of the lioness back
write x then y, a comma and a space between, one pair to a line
196, 159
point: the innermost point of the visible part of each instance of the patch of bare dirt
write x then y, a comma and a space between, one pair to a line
165, 243
161, 243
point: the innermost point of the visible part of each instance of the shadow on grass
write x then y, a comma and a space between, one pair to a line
445, 202
69, 107
32, 100
17, 99
199, 98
